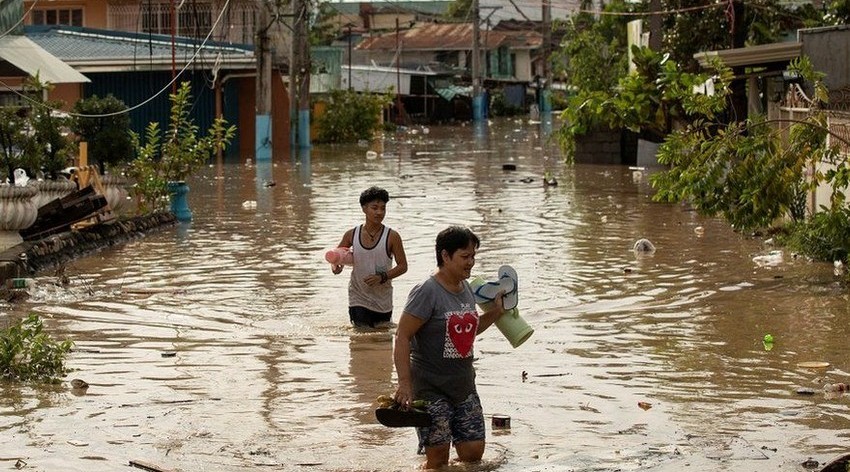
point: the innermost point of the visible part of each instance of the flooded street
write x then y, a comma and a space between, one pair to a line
267, 374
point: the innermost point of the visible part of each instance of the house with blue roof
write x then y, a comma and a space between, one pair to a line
136, 51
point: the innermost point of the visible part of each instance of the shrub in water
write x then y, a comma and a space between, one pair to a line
28, 353
351, 116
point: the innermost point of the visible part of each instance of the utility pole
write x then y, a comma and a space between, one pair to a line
299, 75
545, 102
263, 93
479, 111
655, 39
173, 13
350, 87
399, 114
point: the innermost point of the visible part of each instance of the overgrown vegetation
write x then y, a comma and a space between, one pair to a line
33, 136
106, 127
756, 175
28, 353
351, 116
745, 171
591, 46
652, 101
180, 153
824, 237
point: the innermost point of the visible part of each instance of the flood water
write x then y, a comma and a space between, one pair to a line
268, 375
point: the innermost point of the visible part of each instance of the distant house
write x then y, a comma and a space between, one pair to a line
133, 48
138, 69
505, 55
380, 16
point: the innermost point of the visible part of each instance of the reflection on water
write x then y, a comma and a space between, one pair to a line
267, 372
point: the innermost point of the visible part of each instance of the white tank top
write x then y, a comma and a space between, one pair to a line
369, 261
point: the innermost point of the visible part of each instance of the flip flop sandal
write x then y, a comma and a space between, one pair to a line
487, 292
395, 418
508, 280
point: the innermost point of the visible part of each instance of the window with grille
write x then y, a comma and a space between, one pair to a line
57, 16
194, 19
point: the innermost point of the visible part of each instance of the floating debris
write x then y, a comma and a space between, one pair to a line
644, 245
79, 384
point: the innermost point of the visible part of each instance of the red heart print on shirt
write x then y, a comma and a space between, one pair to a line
461, 329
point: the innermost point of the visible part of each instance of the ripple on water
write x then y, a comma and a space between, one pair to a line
264, 369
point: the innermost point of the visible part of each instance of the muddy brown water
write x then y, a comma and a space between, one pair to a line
268, 375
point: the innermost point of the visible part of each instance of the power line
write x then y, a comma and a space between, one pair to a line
148, 100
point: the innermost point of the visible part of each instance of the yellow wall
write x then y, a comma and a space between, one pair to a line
94, 11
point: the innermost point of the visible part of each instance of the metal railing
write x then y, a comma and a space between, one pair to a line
194, 19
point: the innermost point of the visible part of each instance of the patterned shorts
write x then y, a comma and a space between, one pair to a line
452, 423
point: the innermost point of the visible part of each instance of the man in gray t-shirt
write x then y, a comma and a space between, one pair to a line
441, 352
433, 352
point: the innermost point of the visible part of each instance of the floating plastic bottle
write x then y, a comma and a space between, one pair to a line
837, 387
340, 256
20, 283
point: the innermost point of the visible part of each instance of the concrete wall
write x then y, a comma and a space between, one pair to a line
600, 147
829, 48
523, 65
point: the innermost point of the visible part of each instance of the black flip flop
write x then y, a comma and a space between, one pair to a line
395, 418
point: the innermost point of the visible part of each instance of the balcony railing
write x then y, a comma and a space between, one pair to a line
193, 19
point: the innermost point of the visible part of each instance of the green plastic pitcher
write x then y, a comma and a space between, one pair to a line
513, 327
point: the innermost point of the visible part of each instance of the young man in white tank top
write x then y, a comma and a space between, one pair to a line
375, 247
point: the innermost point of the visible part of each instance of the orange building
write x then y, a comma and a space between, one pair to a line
137, 49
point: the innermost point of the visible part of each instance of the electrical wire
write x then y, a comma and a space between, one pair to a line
146, 101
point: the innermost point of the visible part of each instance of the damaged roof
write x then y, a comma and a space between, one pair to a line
434, 37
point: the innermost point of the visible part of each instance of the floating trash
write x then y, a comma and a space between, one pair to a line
644, 245
771, 259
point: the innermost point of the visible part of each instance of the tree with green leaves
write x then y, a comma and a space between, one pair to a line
591, 46
351, 116
652, 101
459, 10
28, 353
755, 174
105, 125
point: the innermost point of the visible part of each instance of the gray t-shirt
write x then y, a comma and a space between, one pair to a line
441, 351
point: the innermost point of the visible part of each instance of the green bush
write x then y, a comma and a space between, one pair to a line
28, 353
351, 116
824, 237
105, 125
173, 154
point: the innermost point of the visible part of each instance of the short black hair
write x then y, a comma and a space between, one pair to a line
453, 238
374, 193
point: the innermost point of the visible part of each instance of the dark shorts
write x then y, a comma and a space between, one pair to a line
366, 318
453, 423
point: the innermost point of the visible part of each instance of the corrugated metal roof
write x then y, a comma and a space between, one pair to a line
752, 55
434, 37
32, 59
522, 39
103, 50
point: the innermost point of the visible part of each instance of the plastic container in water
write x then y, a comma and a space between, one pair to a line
20, 283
